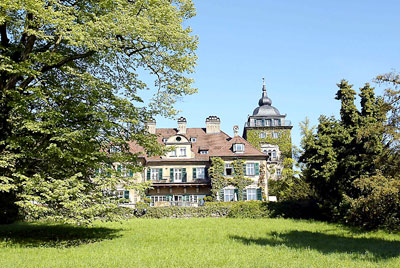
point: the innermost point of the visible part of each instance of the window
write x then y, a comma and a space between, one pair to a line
203, 151
278, 172
228, 170
275, 135
193, 139
268, 121
115, 149
178, 175
238, 147
258, 122
172, 153
164, 140
178, 139
229, 195
250, 169
277, 122
200, 173
273, 154
154, 174
263, 135
251, 194
182, 152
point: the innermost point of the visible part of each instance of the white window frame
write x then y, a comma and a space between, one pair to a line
275, 135
230, 166
229, 193
274, 154
251, 194
238, 147
172, 153
263, 135
182, 151
203, 151
278, 172
200, 173
250, 169
154, 174
178, 174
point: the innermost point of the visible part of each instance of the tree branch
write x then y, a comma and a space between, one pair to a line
3, 33
46, 68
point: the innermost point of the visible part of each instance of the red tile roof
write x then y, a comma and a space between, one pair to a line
218, 144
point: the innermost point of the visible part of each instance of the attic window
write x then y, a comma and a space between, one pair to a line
238, 147
203, 151
178, 138
164, 140
193, 139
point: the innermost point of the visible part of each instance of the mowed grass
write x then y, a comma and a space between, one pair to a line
197, 242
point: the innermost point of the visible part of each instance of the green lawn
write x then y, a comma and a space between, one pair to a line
197, 242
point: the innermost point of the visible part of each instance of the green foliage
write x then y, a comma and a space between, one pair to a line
343, 150
378, 205
70, 88
284, 140
239, 181
248, 209
295, 209
216, 173
185, 212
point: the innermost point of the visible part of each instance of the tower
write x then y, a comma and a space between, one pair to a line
269, 131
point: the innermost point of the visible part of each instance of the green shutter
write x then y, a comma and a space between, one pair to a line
257, 167
148, 174
130, 173
119, 168
259, 194
194, 173
126, 194
236, 195
221, 195
244, 194
160, 177
244, 169
171, 175
183, 174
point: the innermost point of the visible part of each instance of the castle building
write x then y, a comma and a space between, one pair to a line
269, 131
180, 178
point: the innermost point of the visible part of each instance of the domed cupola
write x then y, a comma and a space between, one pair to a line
265, 105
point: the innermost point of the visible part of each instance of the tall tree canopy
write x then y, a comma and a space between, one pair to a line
343, 150
69, 87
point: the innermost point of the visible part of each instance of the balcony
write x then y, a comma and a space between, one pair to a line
166, 181
174, 204
286, 123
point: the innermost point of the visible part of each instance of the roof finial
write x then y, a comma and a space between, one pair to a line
264, 88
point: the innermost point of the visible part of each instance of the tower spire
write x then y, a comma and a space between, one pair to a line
264, 98
264, 88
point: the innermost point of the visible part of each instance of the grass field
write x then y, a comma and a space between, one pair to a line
197, 242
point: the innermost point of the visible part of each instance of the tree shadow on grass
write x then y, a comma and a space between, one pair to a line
373, 249
52, 235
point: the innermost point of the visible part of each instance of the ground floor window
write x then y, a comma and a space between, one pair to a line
229, 195
251, 194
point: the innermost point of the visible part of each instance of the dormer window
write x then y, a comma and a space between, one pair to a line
203, 151
193, 140
164, 140
178, 138
238, 147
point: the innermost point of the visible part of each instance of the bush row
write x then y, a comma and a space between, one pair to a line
239, 209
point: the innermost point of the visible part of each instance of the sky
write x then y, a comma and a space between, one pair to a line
302, 48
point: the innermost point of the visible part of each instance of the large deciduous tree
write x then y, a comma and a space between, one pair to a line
70, 76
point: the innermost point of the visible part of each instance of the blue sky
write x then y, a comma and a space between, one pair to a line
302, 48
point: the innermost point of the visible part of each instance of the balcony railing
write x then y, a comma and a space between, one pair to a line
174, 204
167, 180
286, 123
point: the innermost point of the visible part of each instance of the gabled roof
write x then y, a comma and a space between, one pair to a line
218, 144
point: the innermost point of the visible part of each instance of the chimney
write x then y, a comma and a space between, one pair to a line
235, 131
181, 125
151, 126
213, 124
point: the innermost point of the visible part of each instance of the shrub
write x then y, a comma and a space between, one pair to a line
185, 212
378, 205
249, 209
295, 209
